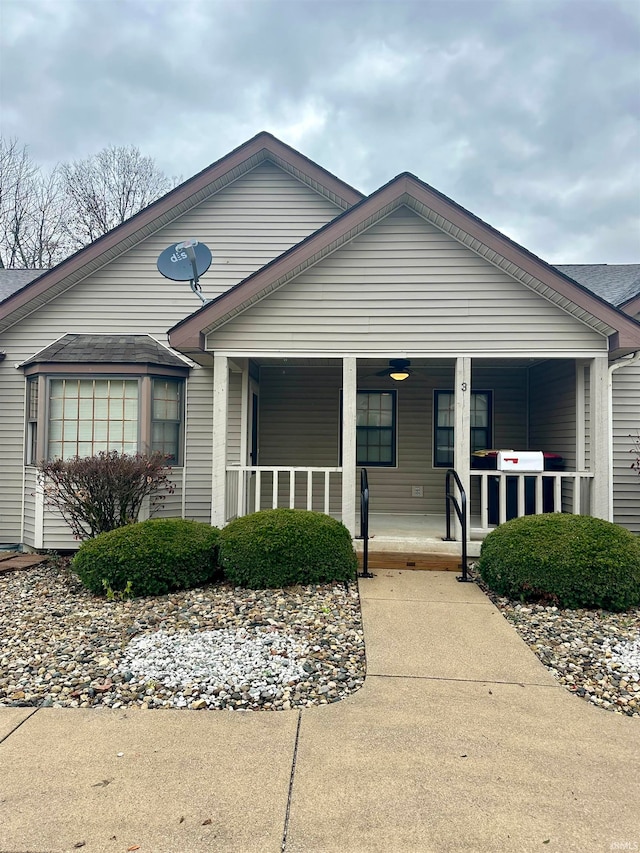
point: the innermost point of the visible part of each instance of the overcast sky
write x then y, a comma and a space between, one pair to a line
527, 112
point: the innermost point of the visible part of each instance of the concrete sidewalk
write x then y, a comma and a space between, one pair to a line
459, 740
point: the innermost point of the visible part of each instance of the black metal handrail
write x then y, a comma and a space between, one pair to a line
461, 512
364, 523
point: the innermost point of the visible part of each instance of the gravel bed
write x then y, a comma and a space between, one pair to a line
209, 648
224, 647
595, 654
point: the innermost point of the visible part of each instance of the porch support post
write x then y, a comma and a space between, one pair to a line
462, 430
601, 438
349, 387
219, 462
581, 418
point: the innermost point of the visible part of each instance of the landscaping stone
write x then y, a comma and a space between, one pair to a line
62, 646
595, 654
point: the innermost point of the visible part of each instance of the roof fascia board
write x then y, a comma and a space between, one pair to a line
631, 306
158, 214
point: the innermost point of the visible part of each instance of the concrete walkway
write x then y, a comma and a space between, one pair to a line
459, 741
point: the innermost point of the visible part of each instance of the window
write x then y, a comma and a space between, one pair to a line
444, 420
80, 415
376, 428
88, 415
32, 421
166, 416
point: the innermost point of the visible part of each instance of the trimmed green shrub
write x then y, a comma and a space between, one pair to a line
573, 560
282, 547
149, 558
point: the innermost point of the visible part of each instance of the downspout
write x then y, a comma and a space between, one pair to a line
627, 361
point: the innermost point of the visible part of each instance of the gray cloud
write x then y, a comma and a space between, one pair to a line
524, 111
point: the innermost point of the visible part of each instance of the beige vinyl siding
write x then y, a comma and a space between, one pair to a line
172, 505
29, 507
245, 225
509, 387
390, 488
626, 422
12, 402
198, 445
405, 285
57, 534
299, 417
552, 408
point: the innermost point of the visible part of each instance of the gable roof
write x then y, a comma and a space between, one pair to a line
238, 162
617, 283
624, 333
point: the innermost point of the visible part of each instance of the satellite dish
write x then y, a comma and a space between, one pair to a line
185, 261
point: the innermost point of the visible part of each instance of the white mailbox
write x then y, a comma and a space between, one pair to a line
520, 460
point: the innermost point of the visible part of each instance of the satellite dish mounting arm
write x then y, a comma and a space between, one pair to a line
185, 261
188, 246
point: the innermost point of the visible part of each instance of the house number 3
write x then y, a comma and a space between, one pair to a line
464, 386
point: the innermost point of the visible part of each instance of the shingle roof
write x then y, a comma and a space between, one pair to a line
107, 349
617, 283
13, 280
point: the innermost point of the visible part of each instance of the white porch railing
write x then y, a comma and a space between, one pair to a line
504, 495
251, 488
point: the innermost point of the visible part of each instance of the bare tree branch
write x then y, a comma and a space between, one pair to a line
44, 217
105, 190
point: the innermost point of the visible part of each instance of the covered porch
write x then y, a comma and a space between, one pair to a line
294, 432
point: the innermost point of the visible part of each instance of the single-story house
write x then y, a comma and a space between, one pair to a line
396, 332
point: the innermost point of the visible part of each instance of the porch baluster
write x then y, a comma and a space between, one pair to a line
326, 492
502, 503
484, 502
557, 495
258, 488
309, 489
576, 495
292, 488
539, 491
520, 509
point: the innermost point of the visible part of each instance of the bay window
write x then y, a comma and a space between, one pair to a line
80, 415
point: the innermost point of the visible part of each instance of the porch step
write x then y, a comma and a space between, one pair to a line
382, 560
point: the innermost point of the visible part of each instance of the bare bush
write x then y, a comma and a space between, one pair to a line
98, 493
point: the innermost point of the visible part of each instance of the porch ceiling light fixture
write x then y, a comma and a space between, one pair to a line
398, 369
